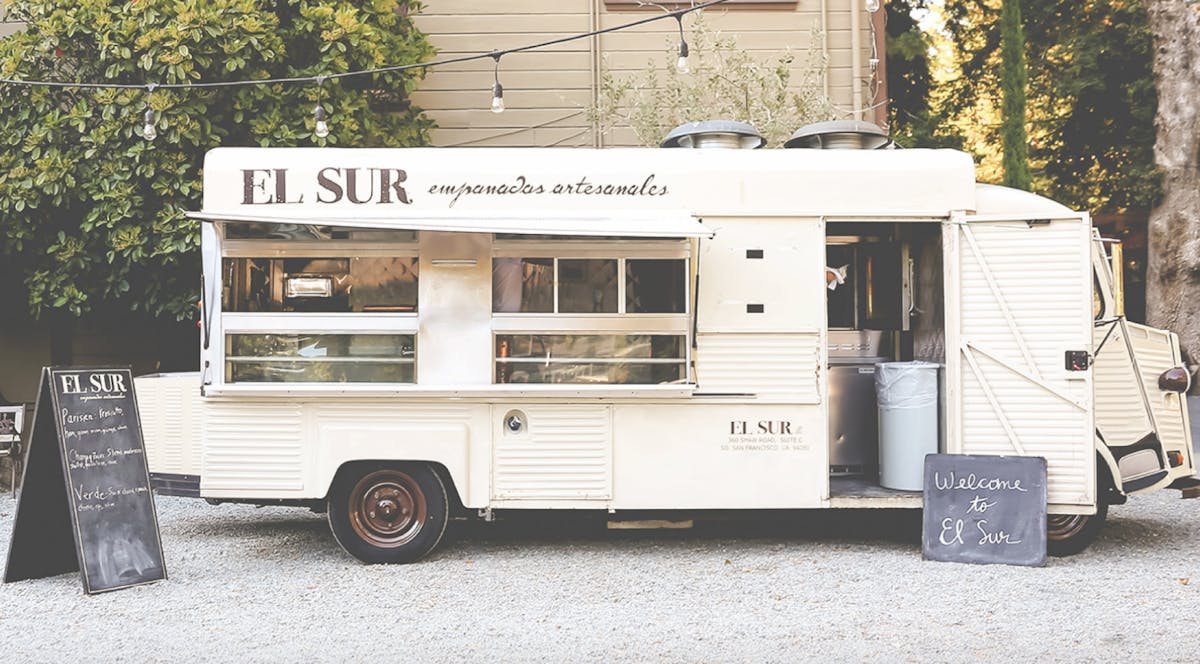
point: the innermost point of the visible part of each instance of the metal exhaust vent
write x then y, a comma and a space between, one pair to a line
715, 134
840, 135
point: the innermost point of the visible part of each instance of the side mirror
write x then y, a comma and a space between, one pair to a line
1177, 380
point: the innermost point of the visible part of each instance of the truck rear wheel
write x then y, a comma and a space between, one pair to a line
388, 513
1069, 534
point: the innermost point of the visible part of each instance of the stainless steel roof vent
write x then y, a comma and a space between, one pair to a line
714, 134
840, 135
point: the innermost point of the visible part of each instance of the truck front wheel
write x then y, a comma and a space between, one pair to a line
388, 513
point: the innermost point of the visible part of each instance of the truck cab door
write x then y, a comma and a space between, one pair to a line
1143, 427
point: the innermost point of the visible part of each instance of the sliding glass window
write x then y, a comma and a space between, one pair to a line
318, 304
580, 312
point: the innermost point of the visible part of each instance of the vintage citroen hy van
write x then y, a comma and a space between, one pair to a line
403, 336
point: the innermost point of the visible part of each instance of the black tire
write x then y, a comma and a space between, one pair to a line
388, 512
1069, 534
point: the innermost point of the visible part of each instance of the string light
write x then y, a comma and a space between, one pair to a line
149, 118
682, 64
872, 6
497, 89
320, 119
321, 128
149, 131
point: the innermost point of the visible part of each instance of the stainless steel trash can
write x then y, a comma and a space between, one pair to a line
907, 394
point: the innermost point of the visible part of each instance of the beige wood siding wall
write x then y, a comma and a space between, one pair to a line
547, 92
7, 25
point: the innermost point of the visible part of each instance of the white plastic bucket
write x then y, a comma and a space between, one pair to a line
907, 394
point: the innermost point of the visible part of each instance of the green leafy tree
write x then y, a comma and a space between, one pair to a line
913, 117
91, 213
1013, 79
1091, 97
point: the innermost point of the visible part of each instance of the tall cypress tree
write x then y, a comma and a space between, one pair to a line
1013, 80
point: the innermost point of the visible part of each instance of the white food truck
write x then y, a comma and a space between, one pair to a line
403, 336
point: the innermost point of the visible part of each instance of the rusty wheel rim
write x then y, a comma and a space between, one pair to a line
387, 508
1065, 526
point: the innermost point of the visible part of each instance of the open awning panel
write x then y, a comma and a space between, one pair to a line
655, 224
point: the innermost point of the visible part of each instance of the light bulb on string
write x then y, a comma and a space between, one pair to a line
497, 97
872, 5
149, 130
682, 64
321, 130
497, 89
150, 117
320, 118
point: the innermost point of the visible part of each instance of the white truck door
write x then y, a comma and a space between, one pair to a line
1019, 335
1139, 423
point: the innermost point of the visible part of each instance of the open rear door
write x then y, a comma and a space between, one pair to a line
1019, 332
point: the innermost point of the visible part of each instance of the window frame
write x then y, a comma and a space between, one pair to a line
620, 322
227, 359
316, 323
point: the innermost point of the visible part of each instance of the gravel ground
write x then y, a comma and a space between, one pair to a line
271, 585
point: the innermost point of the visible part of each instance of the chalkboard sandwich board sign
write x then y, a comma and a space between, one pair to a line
984, 509
85, 501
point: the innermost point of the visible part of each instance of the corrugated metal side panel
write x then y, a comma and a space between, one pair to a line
1039, 273
770, 364
1121, 414
1155, 354
171, 411
565, 452
253, 446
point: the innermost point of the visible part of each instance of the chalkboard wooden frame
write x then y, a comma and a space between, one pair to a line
984, 509
112, 522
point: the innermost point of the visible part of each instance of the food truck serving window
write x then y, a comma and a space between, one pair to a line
318, 304
590, 312
591, 358
320, 358
342, 284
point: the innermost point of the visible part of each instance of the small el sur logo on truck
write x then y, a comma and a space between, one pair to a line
742, 427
